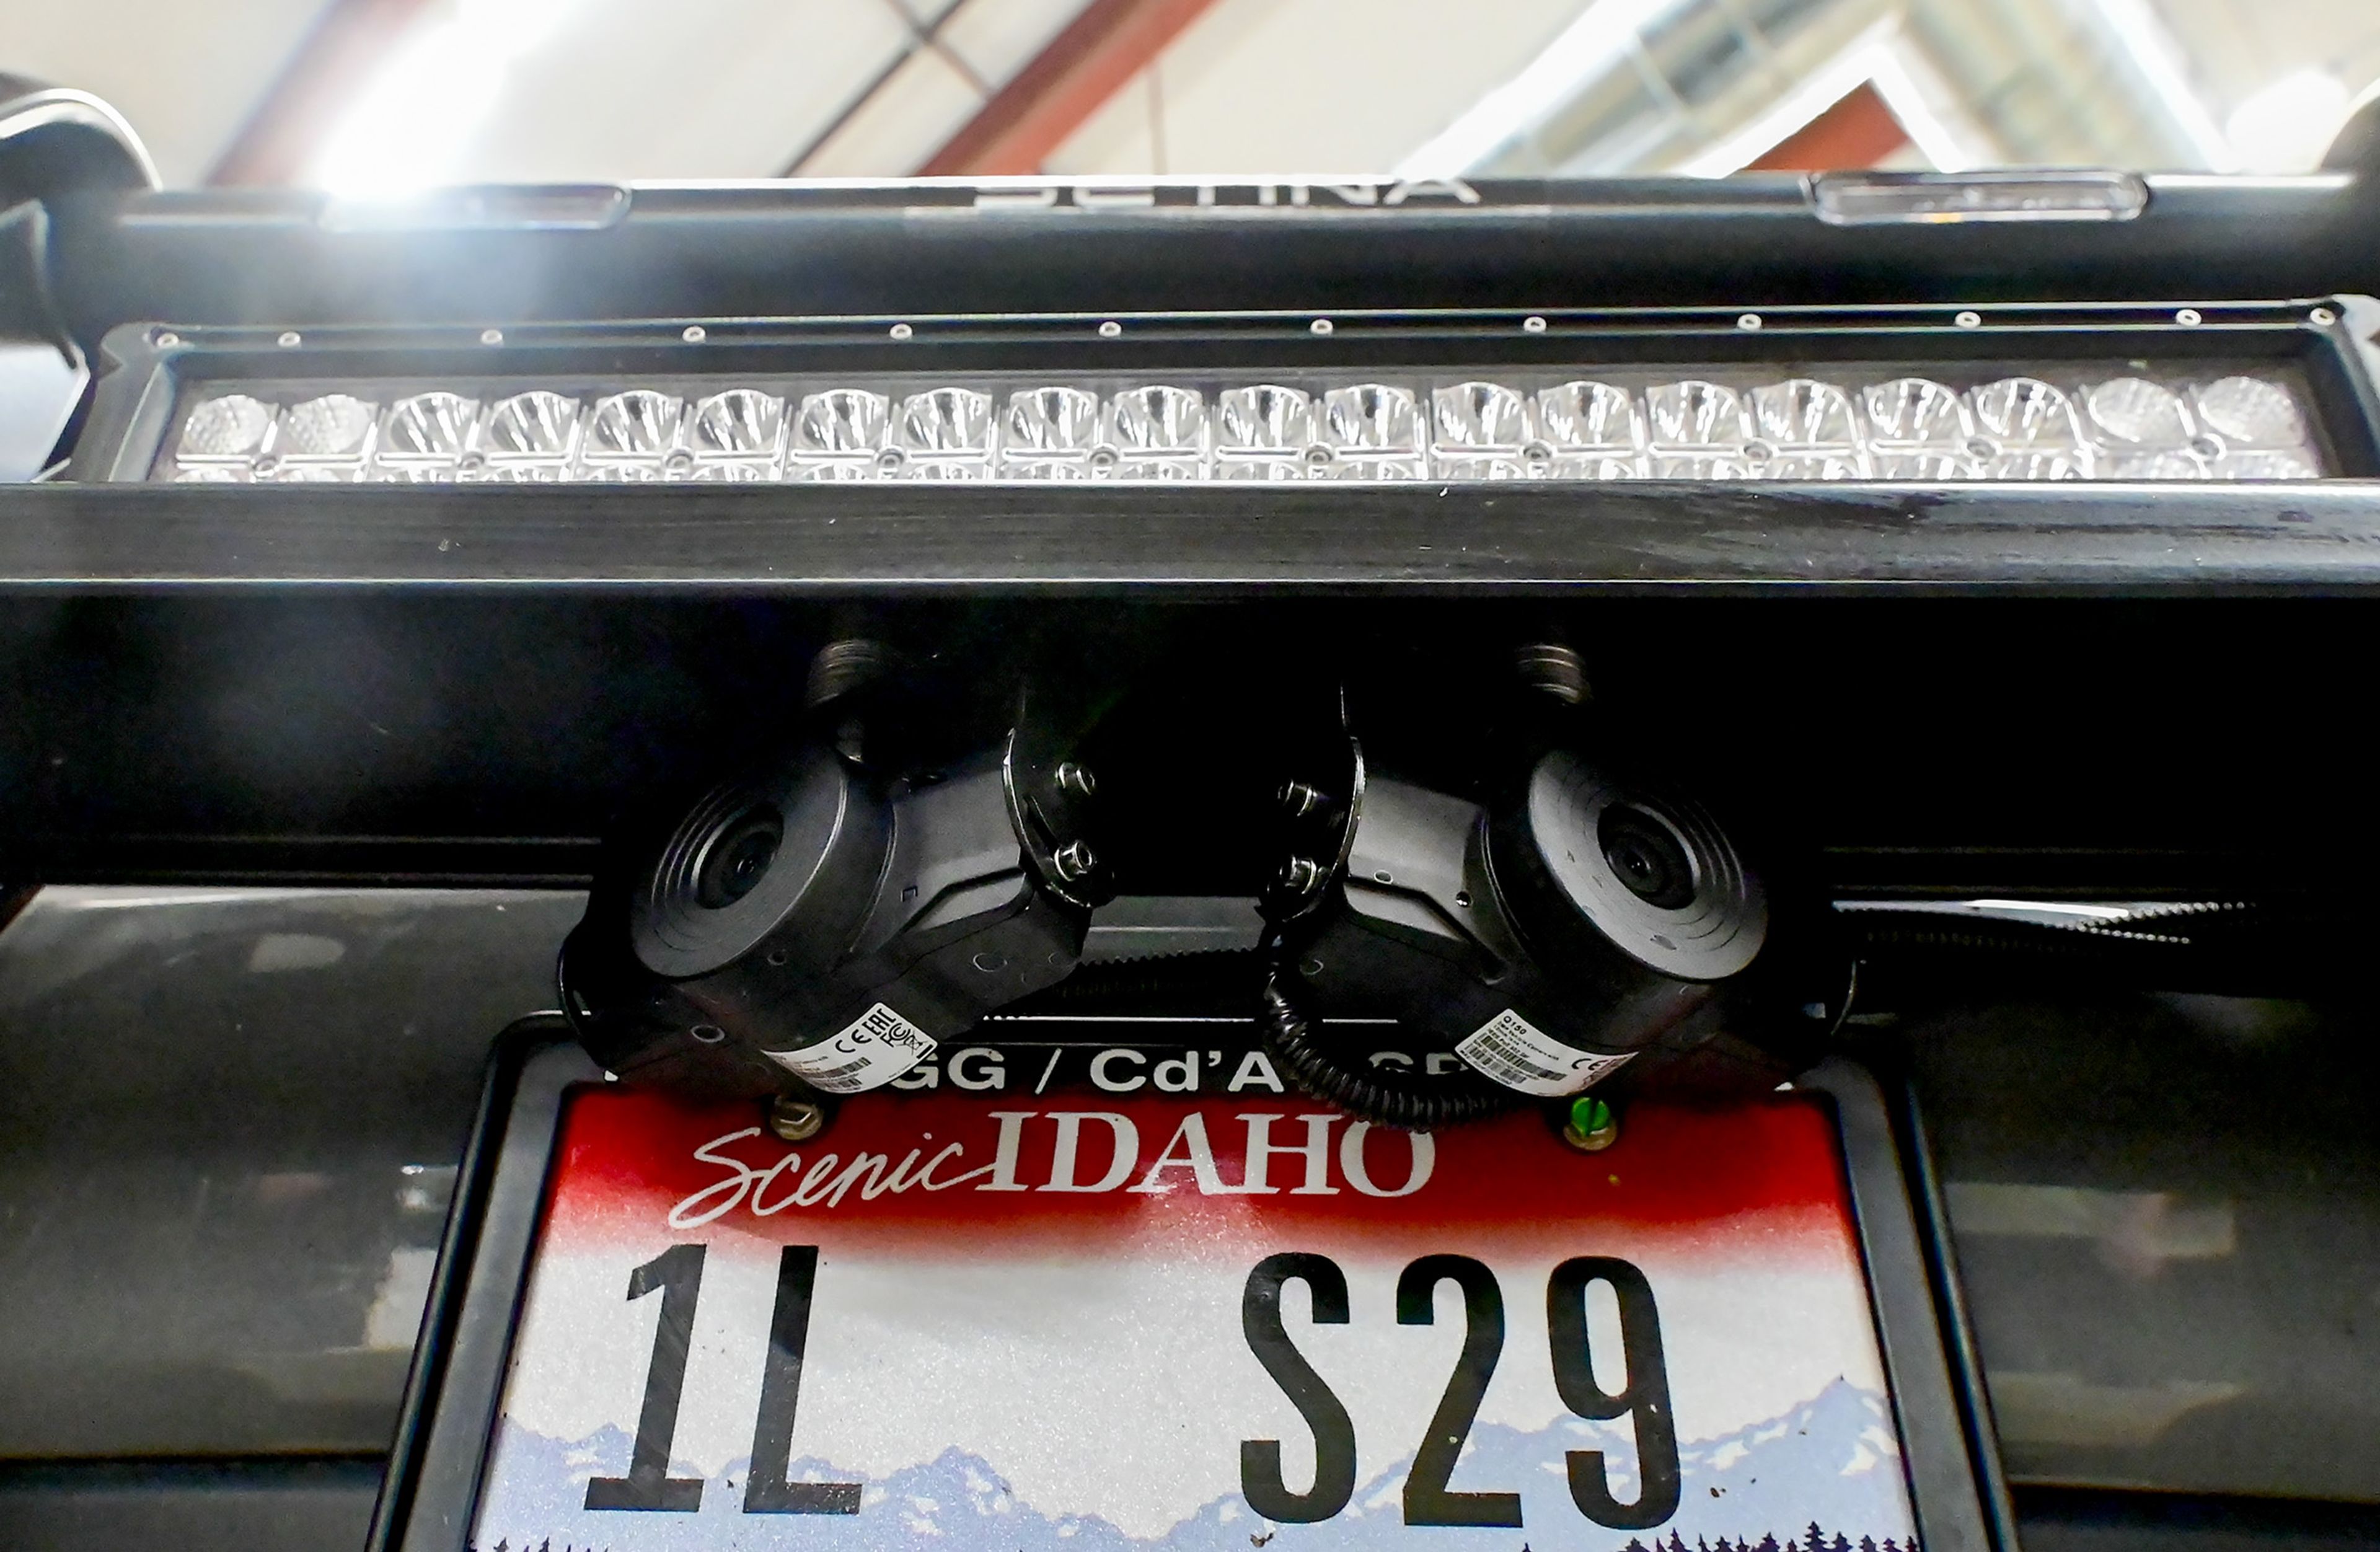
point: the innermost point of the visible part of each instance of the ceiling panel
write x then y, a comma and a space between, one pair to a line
627, 88
919, 108
998, 37
1341, 85
186, 73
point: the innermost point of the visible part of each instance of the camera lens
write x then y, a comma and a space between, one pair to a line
1646, 856
738, 857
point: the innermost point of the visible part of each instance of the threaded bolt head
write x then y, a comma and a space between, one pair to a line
1553, 669
1299, 799
795, 1121
1299, 875
1073, 859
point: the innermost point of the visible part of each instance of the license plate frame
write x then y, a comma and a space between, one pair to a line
462, 1361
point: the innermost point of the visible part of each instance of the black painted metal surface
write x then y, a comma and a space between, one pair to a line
1423, 540
267, 1504
232, 1120
2167, 1213
289, 257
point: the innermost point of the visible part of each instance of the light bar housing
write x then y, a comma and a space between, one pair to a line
2261, 392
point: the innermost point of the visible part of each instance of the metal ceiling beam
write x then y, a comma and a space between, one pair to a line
297, 112
1105, 46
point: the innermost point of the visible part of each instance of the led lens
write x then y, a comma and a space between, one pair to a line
1264, 420
1803, 413
2028, 431
842, 422
1588, 416
544, 471
1487, 416
2133, 412
1371, 417
538, 424
739, 423
2157, 466
2248, 409
1916, 411
2028, 411
429, 426
1158, 422
735, 471
1695, 414
640, 424
947, 424
1045, 423
2255, 463
333, 426
232, 426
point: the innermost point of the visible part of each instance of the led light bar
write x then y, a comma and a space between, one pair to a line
2129, 421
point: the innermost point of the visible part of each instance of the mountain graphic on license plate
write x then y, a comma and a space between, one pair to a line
1107, 1322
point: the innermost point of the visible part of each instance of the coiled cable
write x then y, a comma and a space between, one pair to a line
1409, 1101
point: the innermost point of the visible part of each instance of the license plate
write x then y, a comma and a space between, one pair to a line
1037, 1316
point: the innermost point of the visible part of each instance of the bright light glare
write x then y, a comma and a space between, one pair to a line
410, 128
2288, 125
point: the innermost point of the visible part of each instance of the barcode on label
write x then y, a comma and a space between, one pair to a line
1504, 1062
1511, 1050
869, 1052
829, 1075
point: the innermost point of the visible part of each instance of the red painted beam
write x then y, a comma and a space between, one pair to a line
1858, 130
302, 106
1108, 44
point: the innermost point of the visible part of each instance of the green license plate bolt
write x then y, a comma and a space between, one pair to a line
1593, 1125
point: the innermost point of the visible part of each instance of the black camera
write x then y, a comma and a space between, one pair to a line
823, 920
1545, 932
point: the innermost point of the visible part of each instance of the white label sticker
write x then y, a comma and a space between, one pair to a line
1518, 1054
873, 1050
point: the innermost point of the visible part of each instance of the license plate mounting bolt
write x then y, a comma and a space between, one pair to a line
1592, 1125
